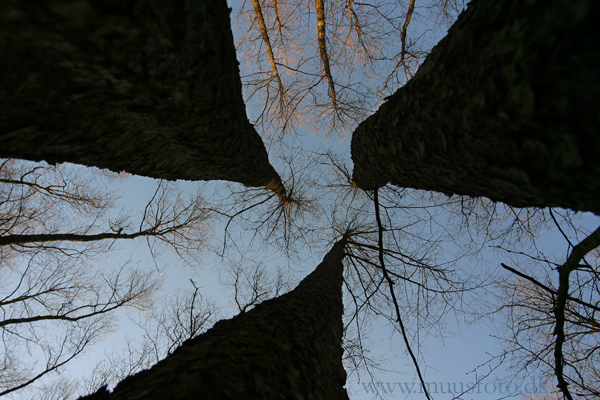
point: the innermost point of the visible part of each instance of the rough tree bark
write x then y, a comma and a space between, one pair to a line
285, 348
151, 87
507, 106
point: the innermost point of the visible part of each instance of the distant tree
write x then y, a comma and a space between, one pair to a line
541, 396
253, 285
53, 226
328, 63
60, 389
553, 308
170, 323
182, 317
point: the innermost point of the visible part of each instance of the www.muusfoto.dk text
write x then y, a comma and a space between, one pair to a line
532, 385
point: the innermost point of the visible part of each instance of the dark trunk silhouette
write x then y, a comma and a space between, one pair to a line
507, 106
285, 348
150, 87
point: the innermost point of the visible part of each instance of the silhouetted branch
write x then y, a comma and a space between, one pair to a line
562, 294
393, 294
546, 288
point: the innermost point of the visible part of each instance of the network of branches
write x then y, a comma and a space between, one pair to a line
331, 63
58, 294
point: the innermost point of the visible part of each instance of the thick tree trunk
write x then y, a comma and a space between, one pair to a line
507, 106
285, 348
151, 87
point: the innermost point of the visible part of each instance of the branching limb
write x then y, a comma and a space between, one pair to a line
264, 32
562, 294
356, 25
403, 35
393, 294
54, 363
72, 237
546, 288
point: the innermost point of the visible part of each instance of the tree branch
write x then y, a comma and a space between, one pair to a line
265, 36
71, 237
393, 294
320, 8
548, 289
403, 34
562, 294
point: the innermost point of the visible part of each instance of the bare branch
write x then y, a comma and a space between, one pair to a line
321, 38
265, 36
562, 294
546, 288
393, 294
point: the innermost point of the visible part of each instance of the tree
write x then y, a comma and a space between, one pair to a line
514, 121
253, 285
179, 318
149, 87
53, 226
327, 63
56, 312
553, 311
182, 317
283, 348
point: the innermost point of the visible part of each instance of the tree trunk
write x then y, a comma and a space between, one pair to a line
285, 348
507, 106
151, 87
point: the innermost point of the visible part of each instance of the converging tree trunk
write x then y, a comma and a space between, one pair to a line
507, 106
151, 87
285, 348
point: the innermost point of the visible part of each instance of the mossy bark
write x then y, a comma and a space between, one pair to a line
285, 348
150, 87
507, 106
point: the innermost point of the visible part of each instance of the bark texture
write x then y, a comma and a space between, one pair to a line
151, 87
507, 106
285, 348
